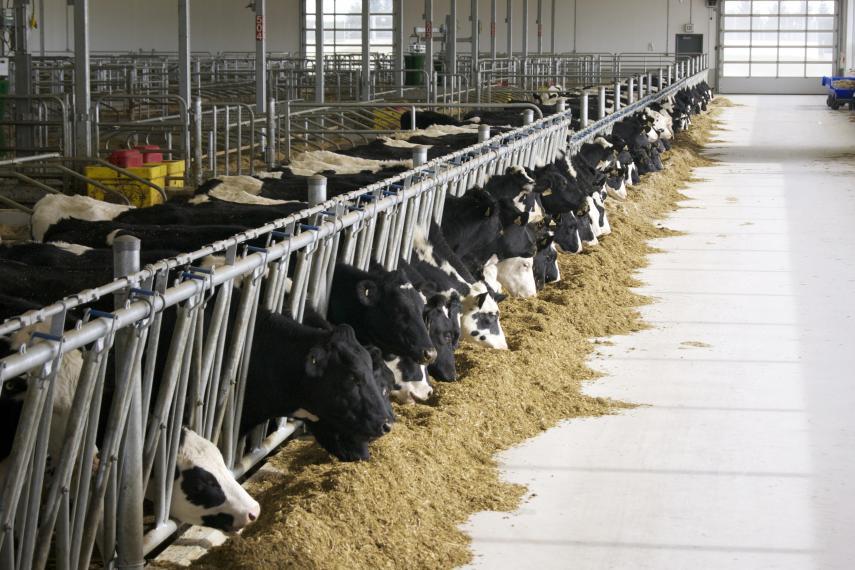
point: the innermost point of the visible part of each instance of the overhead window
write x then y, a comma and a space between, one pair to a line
342, 21
778, 38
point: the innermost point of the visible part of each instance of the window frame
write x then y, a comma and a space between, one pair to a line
335, 47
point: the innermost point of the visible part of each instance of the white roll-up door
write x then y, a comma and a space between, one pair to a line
776, 46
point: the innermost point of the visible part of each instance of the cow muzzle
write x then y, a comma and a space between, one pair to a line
428, 356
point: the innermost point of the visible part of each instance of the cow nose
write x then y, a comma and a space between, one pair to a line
387, 427
428, 356
250, 515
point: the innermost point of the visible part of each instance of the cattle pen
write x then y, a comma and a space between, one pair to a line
252, 285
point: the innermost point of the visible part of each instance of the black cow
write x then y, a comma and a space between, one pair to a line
385, 310
323, 375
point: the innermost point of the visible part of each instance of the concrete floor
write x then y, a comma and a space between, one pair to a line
745, 455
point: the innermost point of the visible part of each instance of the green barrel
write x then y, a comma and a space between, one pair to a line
414, 63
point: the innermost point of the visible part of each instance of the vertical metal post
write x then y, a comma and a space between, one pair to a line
82, 92
617, 95
552, 29
583, 111
428, 18
196, 168
561, 105
317, 190
42, 28
184, 83
528, 116
129, 535
319, 51
493, 24
365, 87
539, 26
525, 30
260, 56
601, 103
476, 49
630, 91
451, 43
670, 74
509, 20
641, 90
23, 77
420, 156
272, 142
483, 133
661, 79
398, 40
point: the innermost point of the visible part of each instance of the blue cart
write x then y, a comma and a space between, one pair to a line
841, 90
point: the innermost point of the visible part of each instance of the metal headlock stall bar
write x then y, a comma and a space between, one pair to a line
85, 504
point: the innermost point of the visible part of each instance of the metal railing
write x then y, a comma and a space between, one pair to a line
77, 509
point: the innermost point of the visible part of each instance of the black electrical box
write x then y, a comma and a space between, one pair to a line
689, 44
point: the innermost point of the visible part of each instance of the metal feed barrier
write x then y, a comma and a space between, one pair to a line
88, 507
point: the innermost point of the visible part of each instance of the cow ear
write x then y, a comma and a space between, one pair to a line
367, 293
315, 362
480, 299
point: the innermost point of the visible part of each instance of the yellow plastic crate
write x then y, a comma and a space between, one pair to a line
174, 169
137, 193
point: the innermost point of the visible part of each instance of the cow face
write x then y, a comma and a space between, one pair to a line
517, 240
567, 236
410, 379
586, 226
480, 321
616, 186
394, 316
546, 262
441, 329
205, 491
340, 386
602, 218
558, 192
516, 274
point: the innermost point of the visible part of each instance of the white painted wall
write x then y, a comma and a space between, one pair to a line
583, 25
216, 25
227, 25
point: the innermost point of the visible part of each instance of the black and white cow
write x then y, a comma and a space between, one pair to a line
479, 313
322, 375
384, 309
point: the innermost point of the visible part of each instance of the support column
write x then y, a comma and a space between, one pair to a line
428, 18
260, 56
82, 91
365, 90
509, 20
398, 40
525, 29
184, 80
552, 29
23, 77
129, 530
540, 26
476, 50
319, 51
493, 24
451, 42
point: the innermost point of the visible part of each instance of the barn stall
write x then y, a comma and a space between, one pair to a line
167, 345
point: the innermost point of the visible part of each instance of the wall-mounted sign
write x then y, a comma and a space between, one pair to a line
259, 28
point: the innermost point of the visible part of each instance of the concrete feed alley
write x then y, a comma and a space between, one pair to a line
741, 454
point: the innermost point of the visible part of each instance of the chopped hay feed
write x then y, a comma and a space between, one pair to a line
402, 509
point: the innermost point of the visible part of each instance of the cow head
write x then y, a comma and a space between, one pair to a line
567, 236
205, 491
480, 320
441, 328
546, 261
410, 379
516, 274
340, 386
388, 310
